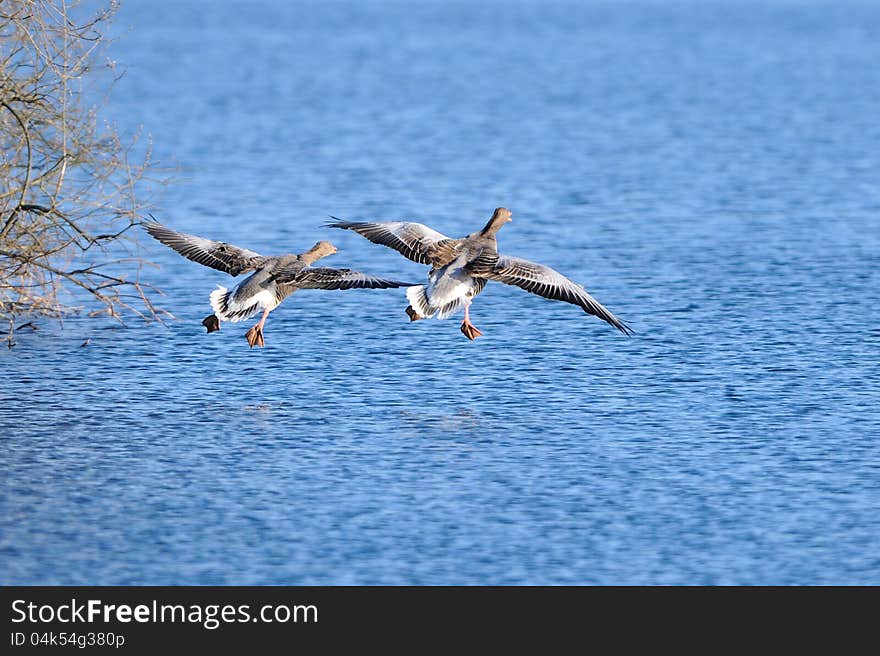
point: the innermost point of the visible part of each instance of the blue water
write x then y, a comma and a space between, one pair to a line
710, 171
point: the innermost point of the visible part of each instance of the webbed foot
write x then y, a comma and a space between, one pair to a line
255, 337
470, 331
211, 322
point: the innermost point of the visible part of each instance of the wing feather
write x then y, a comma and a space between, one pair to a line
215, 254
326, 278
543, 281
414, 241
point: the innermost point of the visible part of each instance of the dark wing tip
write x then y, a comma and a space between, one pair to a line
155, 229
383, 283
613, 320
339, 223
608, 317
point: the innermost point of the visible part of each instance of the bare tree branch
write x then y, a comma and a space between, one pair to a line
27, 175
71, 188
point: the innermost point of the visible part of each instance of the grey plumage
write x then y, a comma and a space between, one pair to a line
273, 278
414, 241
461, 267
215, 254
543, 281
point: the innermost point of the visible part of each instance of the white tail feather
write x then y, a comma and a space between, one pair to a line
225, 307
451, 308
418, 299
219, 301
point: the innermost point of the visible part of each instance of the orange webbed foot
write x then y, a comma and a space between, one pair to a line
470, 331
255, 337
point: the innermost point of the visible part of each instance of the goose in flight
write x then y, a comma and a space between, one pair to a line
460, 269
273, 278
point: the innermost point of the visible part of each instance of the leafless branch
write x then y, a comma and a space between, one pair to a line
71, 188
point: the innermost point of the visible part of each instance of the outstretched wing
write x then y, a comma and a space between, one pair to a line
325, 278
415, 241
543, 281
215, 254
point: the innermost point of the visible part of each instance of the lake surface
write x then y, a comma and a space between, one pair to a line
709, 171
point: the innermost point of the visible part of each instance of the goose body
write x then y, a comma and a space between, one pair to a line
449, 289
272, 278
259, 291
460, 269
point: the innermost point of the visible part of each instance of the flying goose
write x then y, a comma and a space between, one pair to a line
460, 268
274, 278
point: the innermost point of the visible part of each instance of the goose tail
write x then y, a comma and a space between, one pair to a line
226, 307
418, 300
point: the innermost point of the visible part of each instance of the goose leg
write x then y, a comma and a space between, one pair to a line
467, 328
255, 334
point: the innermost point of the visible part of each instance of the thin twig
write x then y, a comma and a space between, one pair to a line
27, 175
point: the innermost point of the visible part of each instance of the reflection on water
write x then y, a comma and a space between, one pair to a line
460, 420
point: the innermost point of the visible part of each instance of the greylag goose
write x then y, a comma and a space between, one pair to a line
460, 269
274, 278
